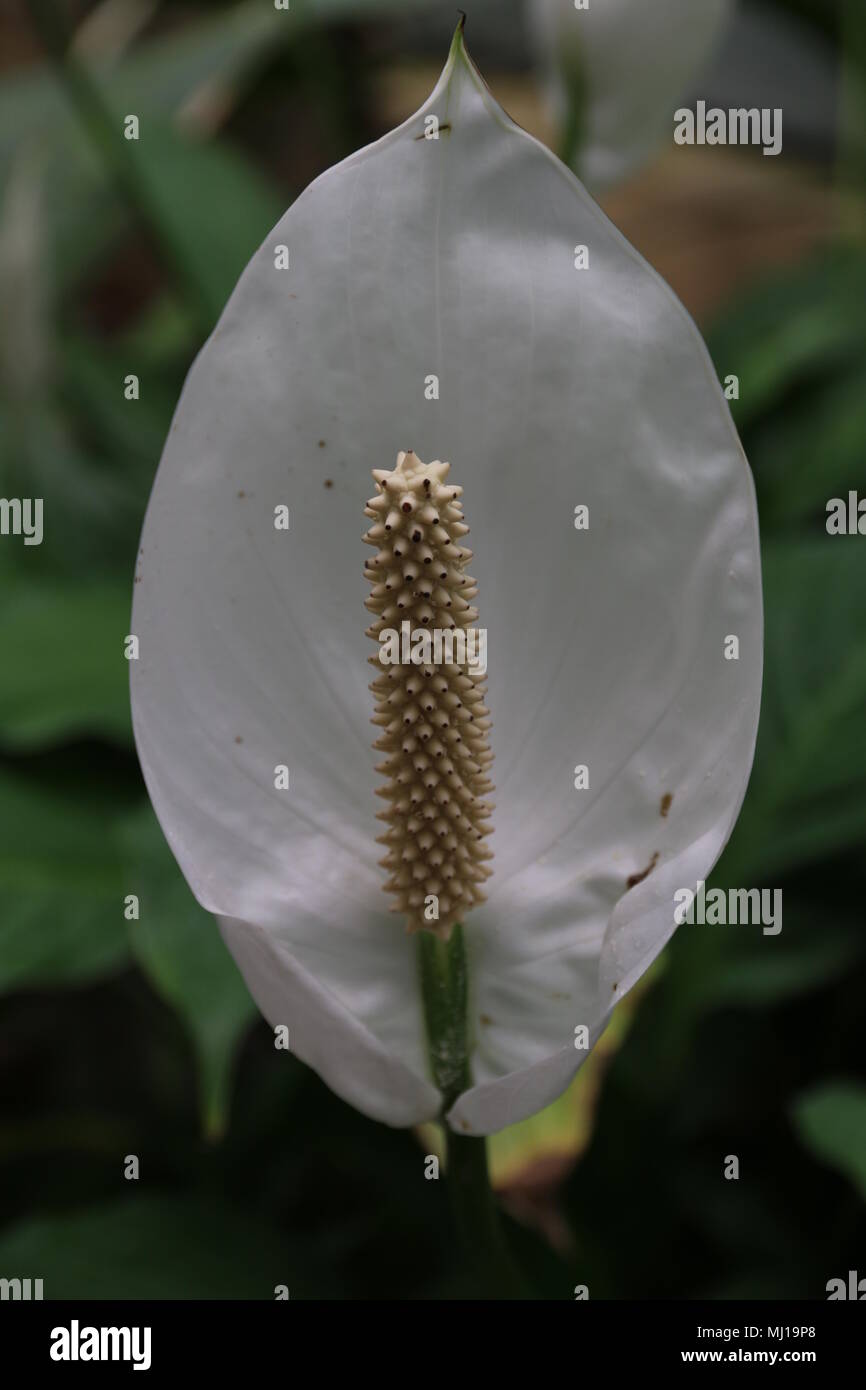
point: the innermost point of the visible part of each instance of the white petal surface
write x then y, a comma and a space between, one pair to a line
634, 61
324, 1034
557, 387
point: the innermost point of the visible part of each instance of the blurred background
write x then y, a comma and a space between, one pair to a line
136, 1037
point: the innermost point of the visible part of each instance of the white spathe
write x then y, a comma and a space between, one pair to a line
629, 64
558, 387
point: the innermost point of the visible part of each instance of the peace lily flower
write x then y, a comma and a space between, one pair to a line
617, 70
448, 295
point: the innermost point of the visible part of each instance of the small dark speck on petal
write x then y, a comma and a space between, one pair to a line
634, 879
665, 804
238, 738
446, 126
329, 482
485, 1019
321, 443
242, 493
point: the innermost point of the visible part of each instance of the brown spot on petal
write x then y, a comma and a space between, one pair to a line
446, 126
485, 1019
329, 482
665, 804
634, 879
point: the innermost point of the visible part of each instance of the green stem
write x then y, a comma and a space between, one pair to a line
104, 132
570, 137
444, 988
573, 132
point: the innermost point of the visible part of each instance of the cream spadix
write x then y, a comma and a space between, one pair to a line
564, 381
431, 708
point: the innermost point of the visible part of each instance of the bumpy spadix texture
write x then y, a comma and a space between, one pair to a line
434, 721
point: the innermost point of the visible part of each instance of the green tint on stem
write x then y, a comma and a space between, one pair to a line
573, 130
444, 988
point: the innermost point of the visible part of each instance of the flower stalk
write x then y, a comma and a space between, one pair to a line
444, 989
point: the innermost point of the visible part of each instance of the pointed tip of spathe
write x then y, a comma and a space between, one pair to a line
458, 42
458, 65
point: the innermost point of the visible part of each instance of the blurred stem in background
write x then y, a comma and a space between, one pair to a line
574, 121
103, 128
444, 988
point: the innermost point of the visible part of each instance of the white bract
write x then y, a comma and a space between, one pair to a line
625, 67
569, 378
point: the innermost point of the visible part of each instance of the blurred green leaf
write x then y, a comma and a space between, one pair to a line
162, 336
179, 948
61, 885
812, 450
154, 80
770, 974
211, 204
712, 968
46, 442
155, 1247
807, 794
163, 82
129, 432
176, 79
792, 331
92, 509
69, 676
831, 1122
852, 103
